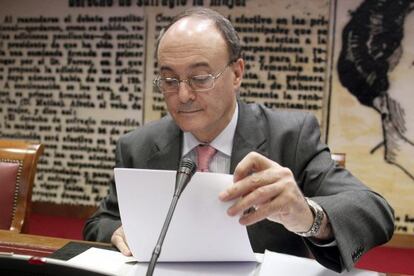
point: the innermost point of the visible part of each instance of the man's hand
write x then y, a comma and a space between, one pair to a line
118, 240
271, 191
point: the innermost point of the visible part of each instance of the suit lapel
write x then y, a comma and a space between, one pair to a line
167, 148
250, 134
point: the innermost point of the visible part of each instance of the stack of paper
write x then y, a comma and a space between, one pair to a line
200, 229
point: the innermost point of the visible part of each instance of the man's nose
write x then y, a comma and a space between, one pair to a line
185, 93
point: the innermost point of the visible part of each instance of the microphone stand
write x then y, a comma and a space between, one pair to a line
157, 249
185, 172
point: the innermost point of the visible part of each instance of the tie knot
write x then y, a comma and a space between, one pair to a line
204, 155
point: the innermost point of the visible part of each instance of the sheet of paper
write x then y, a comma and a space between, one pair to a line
198, 269
114, 263
200, 229
105, 261
282, 264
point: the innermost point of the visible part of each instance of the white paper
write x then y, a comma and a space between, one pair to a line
282, 264
104, 261
200, 229
114, 263
198, 269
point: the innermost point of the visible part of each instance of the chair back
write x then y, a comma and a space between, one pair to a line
18, 163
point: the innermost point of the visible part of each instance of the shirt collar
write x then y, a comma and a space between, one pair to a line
223, 142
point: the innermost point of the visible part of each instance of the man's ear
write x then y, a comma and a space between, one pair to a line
238, 69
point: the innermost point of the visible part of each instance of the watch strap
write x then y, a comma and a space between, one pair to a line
318, 215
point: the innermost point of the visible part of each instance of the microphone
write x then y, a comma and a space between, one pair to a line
185, 171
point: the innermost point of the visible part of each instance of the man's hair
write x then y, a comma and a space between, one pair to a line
222, 24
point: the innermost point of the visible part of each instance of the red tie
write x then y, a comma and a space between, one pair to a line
204, 155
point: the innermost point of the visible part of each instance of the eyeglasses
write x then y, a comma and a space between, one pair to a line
197, 83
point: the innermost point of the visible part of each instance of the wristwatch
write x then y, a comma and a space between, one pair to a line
318, 215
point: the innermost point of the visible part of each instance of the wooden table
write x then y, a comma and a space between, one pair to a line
12, 242
40, 246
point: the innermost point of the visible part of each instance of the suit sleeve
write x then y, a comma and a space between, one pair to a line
360, 218
106, 219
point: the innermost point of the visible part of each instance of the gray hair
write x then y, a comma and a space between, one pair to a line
222, 24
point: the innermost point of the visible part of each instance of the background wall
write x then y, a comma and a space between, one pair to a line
374, 125
77, 74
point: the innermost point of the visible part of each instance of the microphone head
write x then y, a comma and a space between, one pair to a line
187, 166
184, 174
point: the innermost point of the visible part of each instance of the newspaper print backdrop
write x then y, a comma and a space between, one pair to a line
77, 74
371, 115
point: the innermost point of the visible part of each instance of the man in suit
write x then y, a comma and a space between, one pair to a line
298, 200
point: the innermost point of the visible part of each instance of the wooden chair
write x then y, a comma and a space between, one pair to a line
18, 162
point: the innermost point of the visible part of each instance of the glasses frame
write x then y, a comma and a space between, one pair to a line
156, 82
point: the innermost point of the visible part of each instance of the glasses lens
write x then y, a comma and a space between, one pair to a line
168, 85
202, 82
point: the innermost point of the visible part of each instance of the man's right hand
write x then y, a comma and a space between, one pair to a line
118, 240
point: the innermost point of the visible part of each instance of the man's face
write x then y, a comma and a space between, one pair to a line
193, 46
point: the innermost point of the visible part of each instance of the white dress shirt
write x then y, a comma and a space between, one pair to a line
223, 143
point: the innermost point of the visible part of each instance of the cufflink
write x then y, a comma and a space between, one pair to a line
318, 215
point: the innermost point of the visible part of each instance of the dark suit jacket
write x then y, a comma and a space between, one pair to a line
360, 218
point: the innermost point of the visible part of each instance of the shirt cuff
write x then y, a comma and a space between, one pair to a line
322, 243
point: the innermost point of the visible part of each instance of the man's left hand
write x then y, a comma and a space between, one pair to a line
270, 190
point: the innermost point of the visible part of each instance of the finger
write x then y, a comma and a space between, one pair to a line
281, 209
118, 240
252, 162
250, 183
122, 246
257, 215
257, 197
274, 208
